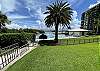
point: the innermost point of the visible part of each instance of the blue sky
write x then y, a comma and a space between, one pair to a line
29, 13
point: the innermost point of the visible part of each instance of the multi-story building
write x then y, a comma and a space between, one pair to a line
90, 19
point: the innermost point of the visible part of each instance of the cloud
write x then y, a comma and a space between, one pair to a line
36, 9
40, 14
16, 26
92, 5
13, 26
98, 1
30, 13
7, 6
74, 16
75, 3
39, 9
15, 16
41, 25
0, 7
75, 23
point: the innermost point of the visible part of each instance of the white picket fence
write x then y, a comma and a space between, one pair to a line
10, 54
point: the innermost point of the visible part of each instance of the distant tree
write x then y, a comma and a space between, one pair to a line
4, 30
59, 13
3, 20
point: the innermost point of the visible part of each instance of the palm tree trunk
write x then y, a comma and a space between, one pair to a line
56, 31
97, 29
97, 26
0, 26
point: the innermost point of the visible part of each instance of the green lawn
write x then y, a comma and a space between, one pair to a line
83, 57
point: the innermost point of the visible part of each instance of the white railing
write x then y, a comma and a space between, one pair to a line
10, 54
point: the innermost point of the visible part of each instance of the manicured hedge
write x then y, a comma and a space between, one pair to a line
42, 36
7, 39
47, 42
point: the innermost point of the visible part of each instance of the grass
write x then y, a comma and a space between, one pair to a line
83, 57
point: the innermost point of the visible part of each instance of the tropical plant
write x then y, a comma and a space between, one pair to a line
97, 21
3, 20
58, 13
42, 36
95, 15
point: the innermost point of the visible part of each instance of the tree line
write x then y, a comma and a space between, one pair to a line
6, 30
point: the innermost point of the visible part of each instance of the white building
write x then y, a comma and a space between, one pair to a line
78, 32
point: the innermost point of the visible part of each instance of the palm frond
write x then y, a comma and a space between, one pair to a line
59, 10
3, 20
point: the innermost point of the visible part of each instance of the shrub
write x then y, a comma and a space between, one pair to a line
7, 39
42, 36
47, 42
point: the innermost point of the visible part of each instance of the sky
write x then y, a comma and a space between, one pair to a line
29, 13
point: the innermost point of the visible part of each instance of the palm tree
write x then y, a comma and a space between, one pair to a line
58, 13
3, 20
97, 20
96, 17
97, 25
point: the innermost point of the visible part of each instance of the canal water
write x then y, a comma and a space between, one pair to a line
51, 36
